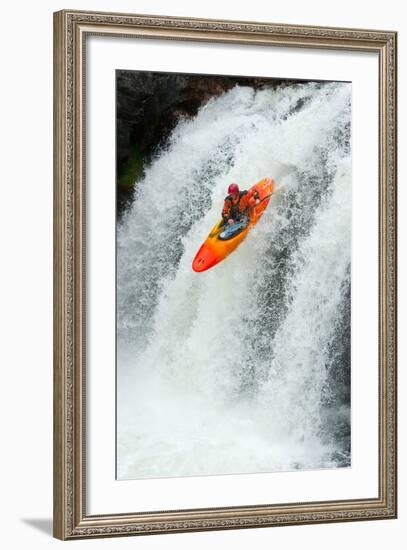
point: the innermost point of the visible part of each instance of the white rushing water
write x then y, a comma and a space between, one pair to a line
245, 367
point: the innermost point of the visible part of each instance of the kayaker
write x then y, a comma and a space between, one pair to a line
238, 203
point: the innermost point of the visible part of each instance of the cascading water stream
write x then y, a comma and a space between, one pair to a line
245, 367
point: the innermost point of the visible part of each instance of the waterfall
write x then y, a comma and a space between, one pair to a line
245, 367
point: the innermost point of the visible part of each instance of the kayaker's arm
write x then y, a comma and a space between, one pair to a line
251, 199
227, 207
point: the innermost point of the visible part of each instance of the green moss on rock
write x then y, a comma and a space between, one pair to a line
132, 171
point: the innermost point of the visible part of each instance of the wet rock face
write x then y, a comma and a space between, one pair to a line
150, 104
144, 104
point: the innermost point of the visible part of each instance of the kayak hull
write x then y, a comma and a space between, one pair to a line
214, 250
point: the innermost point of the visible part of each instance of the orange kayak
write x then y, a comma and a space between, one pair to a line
215, 249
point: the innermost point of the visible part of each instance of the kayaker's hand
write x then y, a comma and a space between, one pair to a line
231, 221
257, 201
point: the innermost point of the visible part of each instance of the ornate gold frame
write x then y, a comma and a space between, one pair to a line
70, 518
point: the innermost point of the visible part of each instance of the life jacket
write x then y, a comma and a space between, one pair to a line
235, 212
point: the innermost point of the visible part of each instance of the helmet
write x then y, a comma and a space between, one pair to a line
233, 188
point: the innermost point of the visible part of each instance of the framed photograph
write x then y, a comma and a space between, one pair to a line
225, 274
